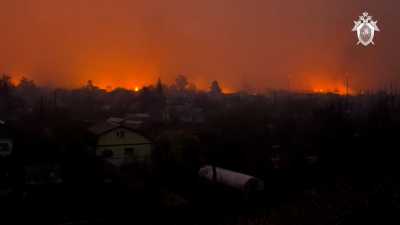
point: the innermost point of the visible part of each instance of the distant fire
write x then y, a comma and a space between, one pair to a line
226, 91
321, 86
136, 89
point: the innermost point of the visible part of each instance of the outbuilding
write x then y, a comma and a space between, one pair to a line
247, 185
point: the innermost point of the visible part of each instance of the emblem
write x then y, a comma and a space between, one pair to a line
365, 30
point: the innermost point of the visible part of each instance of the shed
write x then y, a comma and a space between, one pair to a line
246, 184
42, 174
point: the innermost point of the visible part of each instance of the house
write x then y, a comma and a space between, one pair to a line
119, 144
6, 140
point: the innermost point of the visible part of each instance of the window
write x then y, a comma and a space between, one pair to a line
121, 134
3, 147
129, 152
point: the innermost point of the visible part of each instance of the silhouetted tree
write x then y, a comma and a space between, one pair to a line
172, 90
181, 82
336, 91
109, 88
215, 87
160, 92
177, 157
6, 86
159, 87
89, 85
173, 87
146, 97
25, 82
26, 87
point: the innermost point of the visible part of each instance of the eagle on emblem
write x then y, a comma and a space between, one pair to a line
365, 30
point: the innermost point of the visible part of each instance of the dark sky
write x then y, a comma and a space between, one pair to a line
131, 43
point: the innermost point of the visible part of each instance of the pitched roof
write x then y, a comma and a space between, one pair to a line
114, 120
103, 127
137, 116
134, 122
141, 115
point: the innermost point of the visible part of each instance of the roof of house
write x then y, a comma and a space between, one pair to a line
124, 120
114, 120
141, 115
136, 116
134, 122
103, 127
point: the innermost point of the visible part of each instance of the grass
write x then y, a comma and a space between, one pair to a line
333, 202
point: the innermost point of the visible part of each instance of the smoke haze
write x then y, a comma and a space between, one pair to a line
131, 43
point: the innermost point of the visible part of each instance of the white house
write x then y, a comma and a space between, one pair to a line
6, 140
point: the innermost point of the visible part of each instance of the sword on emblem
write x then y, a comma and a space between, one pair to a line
371, 42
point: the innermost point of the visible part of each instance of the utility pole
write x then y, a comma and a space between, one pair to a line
41, 108
347, 93
379, 92
41, 105
391, 89
275, 111
55, 100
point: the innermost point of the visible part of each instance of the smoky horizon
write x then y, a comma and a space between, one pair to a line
256, 44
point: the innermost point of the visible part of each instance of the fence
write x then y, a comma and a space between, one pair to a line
143, 161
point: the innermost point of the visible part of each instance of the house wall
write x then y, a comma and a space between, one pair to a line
141, 147
10, 146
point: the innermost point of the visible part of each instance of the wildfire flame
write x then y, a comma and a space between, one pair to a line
136, 89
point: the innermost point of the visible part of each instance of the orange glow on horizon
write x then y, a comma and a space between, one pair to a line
320, 85
226, 91
136, 89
